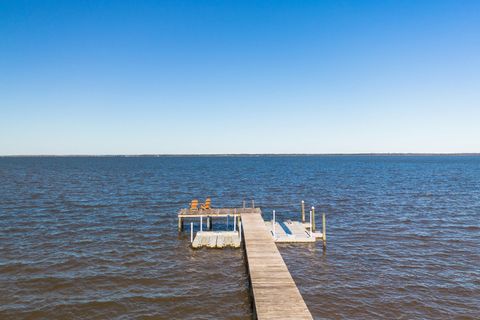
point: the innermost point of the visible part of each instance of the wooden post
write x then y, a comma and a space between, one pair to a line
324, 230
303, 211
180, 224
313, 219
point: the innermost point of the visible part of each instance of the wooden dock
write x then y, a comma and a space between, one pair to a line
275, 293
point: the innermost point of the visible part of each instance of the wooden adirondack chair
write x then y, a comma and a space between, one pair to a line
207, 204
194, 205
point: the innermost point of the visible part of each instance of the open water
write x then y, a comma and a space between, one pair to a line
96, 237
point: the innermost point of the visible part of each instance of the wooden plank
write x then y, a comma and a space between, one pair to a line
274, 291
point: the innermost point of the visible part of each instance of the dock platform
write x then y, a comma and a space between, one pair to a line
292, 231
216, 239
216, 212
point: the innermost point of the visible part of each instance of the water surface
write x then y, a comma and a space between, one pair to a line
96, 237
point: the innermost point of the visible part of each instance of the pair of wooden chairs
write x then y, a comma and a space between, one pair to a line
203, 206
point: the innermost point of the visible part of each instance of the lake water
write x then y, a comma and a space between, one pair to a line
96, 237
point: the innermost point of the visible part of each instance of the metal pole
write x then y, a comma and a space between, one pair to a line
243, 204
303, 211
253, 204
227, 221
273, 228
201, 223
324, 230
313, 219
310, 223
191, 232
274, 225
234, 223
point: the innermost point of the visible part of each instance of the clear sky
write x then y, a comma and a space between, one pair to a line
136, 77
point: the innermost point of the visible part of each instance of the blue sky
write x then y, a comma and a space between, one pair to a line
136, 77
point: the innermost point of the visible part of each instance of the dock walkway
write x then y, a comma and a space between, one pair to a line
275, 293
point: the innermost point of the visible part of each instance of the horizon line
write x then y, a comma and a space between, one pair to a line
246, 154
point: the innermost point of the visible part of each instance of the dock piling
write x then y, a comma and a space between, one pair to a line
313, 220
303, 211
324, 230
191, 232
209, 223
310, 215
180, 224
240, 230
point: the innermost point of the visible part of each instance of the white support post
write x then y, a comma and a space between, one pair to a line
191, 232
314, 225
240, 231
324, 231
303, 211
228, 216
201, 223
310, 223
234, 223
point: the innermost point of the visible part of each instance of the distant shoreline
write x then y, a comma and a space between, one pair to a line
235, 155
